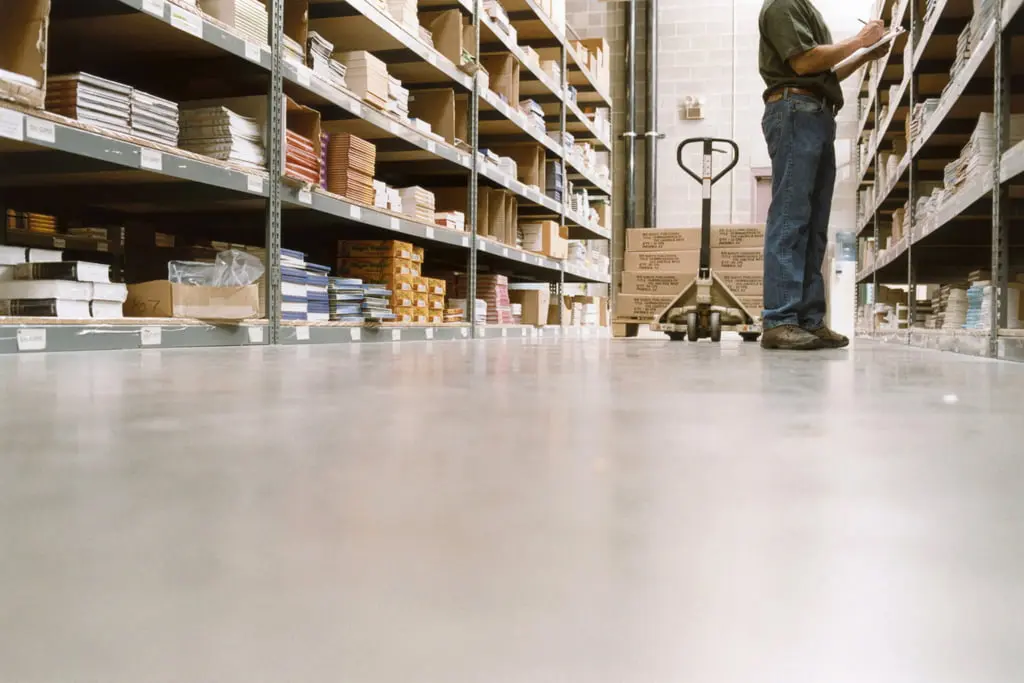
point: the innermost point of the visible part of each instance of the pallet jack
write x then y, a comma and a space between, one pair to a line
706, 307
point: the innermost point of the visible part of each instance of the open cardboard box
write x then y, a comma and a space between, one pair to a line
164, 299
24, 31
446, 113
535, 300
529, 158
504, 75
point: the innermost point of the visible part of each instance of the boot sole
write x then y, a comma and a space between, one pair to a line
806, 346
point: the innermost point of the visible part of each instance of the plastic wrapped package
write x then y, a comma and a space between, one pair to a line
232, 268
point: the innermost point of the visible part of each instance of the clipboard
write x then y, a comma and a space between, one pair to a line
884, 40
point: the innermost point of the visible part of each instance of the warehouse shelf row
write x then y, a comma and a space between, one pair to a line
940, 167
49, 163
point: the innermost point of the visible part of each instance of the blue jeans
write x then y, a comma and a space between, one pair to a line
801, 134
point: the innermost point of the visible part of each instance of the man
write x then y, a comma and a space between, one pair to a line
796, 59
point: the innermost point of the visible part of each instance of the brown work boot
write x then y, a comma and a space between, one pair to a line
790, 337
831, 339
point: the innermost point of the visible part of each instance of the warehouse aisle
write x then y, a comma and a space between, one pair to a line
511, 512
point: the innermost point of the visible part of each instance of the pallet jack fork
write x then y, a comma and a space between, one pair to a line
706, 307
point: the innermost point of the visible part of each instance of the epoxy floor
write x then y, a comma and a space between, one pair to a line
512, 512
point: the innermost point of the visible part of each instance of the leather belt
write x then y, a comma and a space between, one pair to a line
782, 93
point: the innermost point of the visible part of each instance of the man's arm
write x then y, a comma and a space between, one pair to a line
787, 30
848, 70
823, 57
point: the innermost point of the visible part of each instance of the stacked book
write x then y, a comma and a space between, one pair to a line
454, 315
219, 133
398, 98
534, 114
554, 174
154, 119
367, 76
351, 163
31, 222
404, 12
61, 289
418, 203
318, 58
979, 306
294, 294
955, 310
302, 159
453, 220
92, 100
345, 295
492, 288
461, 305
293, 50
324, 142
377, 303
318, 303
248, 17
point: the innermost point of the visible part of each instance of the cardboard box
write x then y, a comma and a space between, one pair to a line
376, 270
688, 261
447, 31
376, 249
643, 307
565, 305
436, 287
535, 302
744, 284
438, 108
297, 118
504, 73
660, 284
529, 158
24, 32
546, 237
677, 239
163, 299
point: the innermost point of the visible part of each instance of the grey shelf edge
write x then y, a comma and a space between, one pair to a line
517, 51
883, 129
100, 336
926, 33
965, 342
606, 188
882, 197
589, 77
1013, 163
582, 119
503, 108
41, 131
313, 333
1010, 9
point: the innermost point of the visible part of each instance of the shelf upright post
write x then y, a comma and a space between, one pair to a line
275, 168
474, 174
876, 195
911, 180
1000, 193
565, 171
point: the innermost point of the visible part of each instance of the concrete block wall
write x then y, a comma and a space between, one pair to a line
708, 49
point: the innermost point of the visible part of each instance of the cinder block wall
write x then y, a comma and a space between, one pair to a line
708, 49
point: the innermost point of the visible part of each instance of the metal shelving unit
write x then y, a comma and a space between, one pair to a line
974, 228
39, 150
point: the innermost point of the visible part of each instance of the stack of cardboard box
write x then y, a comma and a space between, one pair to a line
394, 263
660, 262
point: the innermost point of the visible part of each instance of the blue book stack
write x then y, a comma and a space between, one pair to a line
377, 303
318, 306
975, 300
346, 299
294, 295
554, 180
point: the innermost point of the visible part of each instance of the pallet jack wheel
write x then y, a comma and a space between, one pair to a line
716, 326
750, 336
676, 336
692, 333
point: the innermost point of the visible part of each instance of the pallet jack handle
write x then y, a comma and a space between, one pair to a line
709, 148
707, 179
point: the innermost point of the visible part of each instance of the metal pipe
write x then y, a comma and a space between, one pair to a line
629, 135
651, 132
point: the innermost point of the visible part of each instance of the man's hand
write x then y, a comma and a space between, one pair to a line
877, 53
871, 33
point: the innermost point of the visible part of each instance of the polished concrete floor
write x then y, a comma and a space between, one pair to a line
512, 512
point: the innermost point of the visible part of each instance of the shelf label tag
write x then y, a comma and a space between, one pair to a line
504, 252
12, 124
303, 76
102, 246
32, 339
394, 128
151, 159
253, 52
396, 335
430, 233
481, 245
481, 332
432, 58
356, 334
355, 212
255, 335
154, 7
302, 333
305, 197
504, 332
37, 129
59, 243
431, 147
254, 183
465, 241
189, 22
465, 332
523, 255
395, 223
430, 332
523, 331
151, 335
